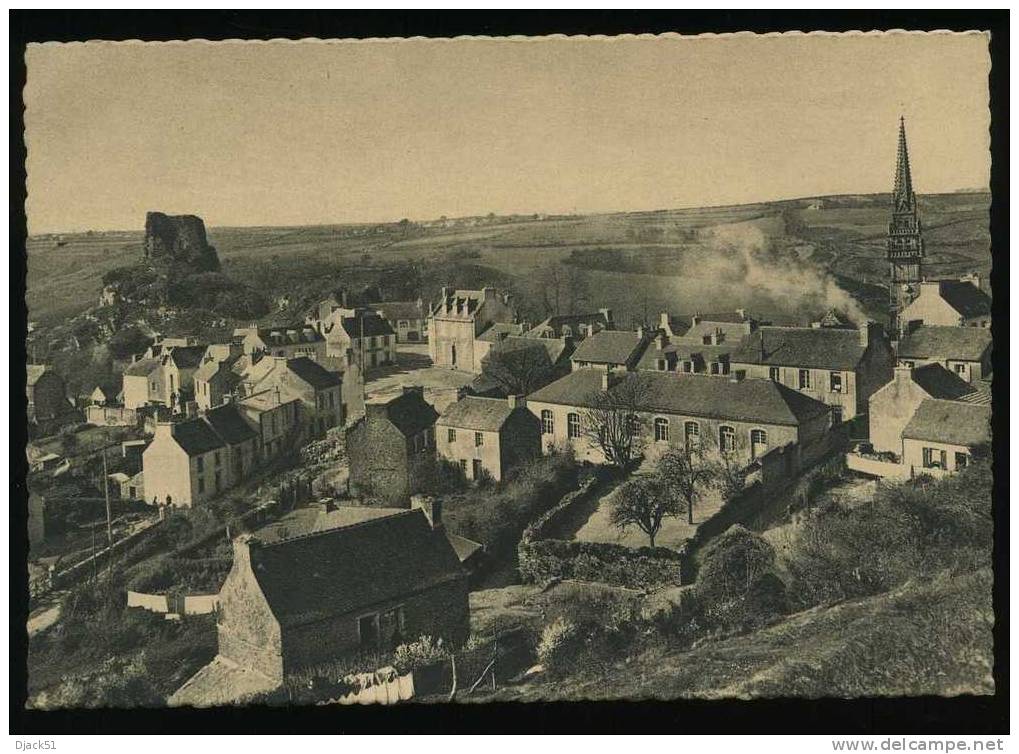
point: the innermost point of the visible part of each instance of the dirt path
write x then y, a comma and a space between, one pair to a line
46, 614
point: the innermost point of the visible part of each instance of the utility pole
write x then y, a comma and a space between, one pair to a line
109, 521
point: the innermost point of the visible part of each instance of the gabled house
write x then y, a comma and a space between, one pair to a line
195, 460
892, 406
744, 416
611, 350
966, 351
361, 335
275, 413
458, 318
288, 341
179, 365
215, 379
487, 435
839, 367
708, 329
365, 587
143, 383
408, 319
319, 390
951, 303
389, 447
942, 435
665, 354
47, 395
575, 326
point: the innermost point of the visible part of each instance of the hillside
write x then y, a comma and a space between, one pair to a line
748, 255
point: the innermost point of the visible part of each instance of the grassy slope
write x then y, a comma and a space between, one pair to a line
64, 280
919, 639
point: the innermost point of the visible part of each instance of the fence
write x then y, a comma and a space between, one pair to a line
384, 686
98, 561
111, 416
198, 604
874, 467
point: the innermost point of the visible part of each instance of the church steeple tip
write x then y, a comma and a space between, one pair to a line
902, 194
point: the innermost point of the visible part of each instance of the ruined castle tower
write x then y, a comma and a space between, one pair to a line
905, 240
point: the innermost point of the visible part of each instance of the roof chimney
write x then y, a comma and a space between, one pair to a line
607, 314
243, 547
664, 321
430, 506
516, 401
695, 320
742, 314
903, 375
641, 332
606, 380
867, 332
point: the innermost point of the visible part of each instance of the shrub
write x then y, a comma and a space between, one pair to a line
125, 343
416, 654
559, 646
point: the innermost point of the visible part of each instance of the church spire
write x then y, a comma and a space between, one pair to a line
902, 194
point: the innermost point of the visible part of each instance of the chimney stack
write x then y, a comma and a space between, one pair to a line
430, 506
607, 314
867, 332
663, 321
695, 320
516, 401
243, 547
742, 314
641, 332
903, 375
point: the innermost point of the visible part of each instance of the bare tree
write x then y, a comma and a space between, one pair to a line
644, 502
613, 421
518, 370
685, 475
563, 288
729, 465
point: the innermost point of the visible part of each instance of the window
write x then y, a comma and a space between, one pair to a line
909, 364
572, 425
463, 466
933, 458
706, 340
368, 631
635, 425
960, 369
692, 434
450, 435
804, 379
774, 374
402, 323
547, 422
661, 365
688, 367
219, 480
479, 439
758, 443
961, 462
391, 627
332, 400
476, 468
201, 464
201, 485
661, 429
836, 415
835, 382
217, 458
726, 439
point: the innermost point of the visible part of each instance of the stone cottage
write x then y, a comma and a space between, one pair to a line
966, 351
365, 587
952, 303
487, 435
390, 446
458, 318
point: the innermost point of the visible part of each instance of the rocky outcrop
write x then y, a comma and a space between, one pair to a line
178, 241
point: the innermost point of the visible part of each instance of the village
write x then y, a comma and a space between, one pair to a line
392, 500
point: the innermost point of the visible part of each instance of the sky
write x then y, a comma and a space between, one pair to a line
292, 133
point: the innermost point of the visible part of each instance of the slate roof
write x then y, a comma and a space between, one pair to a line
289, 335
142, 368
938, 382
229, 424
942, 342
196, 436
473, 412
965, 298
554, 347
751, 400
675, 352
610, 347
187, 357
342, 570
574, 321
410, 413
313, 373
394, 310
808, 347
373, 325
493, 334
950, 422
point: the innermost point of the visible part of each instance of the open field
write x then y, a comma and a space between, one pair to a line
683, 260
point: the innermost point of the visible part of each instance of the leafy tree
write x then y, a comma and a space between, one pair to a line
684, 475
613, 421
644, 502
128, 342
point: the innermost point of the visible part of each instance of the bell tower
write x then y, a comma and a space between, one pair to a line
905, 240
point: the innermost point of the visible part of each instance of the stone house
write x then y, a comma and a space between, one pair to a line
839, 367
192, 461
487, 435
47, 395
389, 446
367, 587
966, 351
708, 329
408, 319
179, 366
612, 350
288, 341
745, 416
942, 435
668, 354
276, 416
216, 379
495, 336
951, 303
320, 390
143, 382
359, 335
892, 406
574, 326
458, 318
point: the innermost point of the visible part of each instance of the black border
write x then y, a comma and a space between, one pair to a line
826, 716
